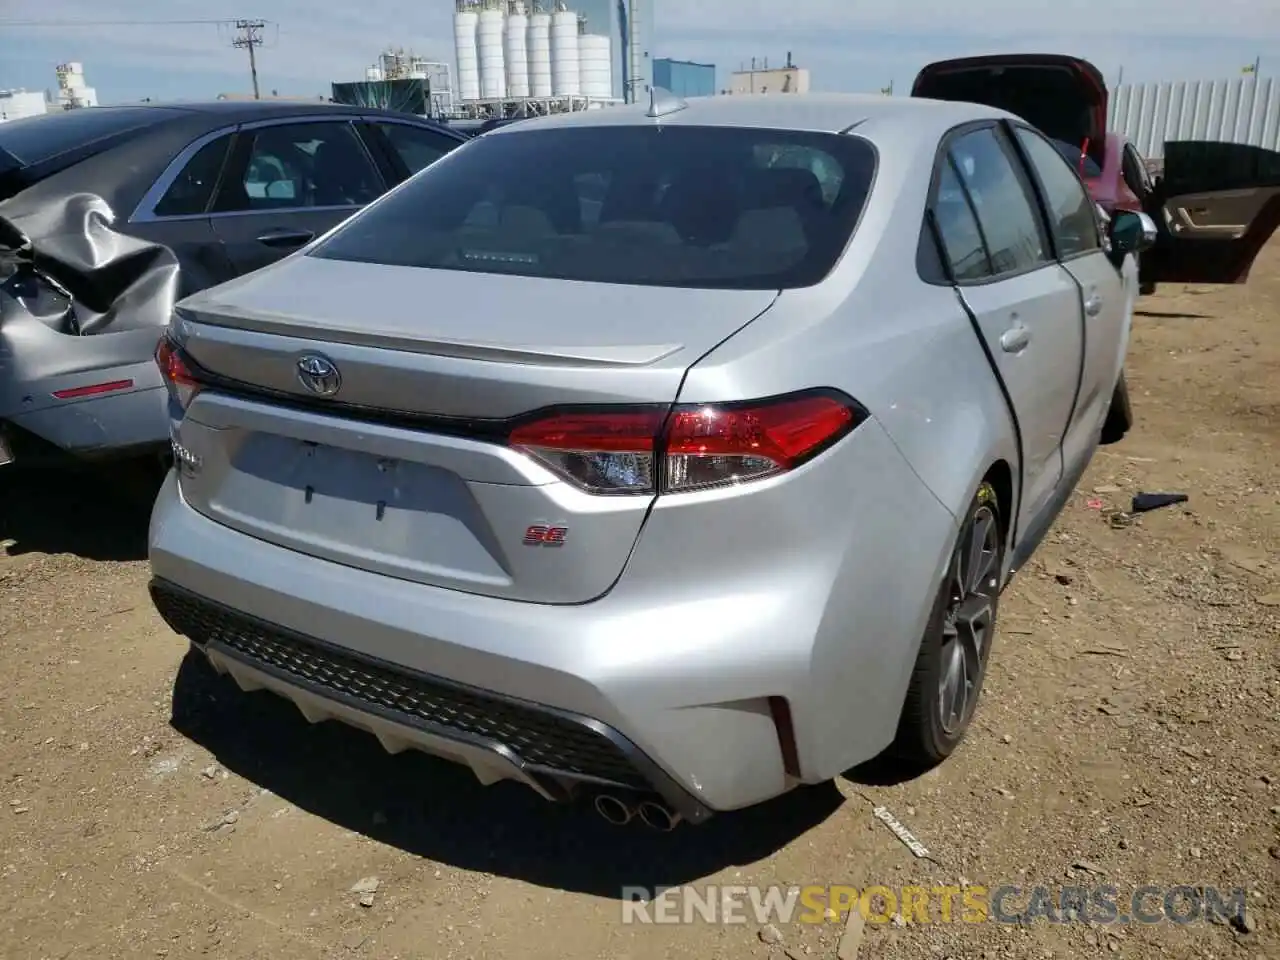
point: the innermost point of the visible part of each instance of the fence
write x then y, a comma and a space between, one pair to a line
1244, 110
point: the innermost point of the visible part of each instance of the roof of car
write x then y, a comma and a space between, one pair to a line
814, 112
259, 109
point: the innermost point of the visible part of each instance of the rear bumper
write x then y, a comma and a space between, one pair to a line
101, 427
557, 750
41, 364
665, 683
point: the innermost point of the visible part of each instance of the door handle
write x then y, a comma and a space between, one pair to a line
1015, 339
1093, 306
286, 238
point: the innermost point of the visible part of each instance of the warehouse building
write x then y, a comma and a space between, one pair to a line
685, 78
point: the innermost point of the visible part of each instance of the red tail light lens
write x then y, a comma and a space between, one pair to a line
716, 446
694, 448
607, 452
178, 377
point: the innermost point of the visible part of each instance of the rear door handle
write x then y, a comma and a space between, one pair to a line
1015, 339
1093, 306
286, 238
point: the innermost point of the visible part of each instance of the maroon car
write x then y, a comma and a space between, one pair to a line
1215, 205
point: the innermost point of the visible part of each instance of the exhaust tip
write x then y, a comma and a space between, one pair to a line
613, 809
658, 816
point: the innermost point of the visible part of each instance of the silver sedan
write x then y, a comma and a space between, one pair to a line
674, 454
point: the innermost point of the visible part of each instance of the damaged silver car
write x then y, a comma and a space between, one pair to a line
109, 216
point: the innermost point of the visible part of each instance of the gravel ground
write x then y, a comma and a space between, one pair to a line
1128, 736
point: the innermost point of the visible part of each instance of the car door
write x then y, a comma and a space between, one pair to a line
1025, 306
1107, 292
175, 212
410, 147
1216, 205
288, 182
1137, 176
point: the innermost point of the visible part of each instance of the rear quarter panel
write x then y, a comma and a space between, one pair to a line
906, 351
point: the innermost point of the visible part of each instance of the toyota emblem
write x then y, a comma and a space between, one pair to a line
319, 375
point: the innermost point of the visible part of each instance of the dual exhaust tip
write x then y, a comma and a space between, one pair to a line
652, 813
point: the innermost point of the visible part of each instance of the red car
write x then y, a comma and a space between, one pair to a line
1215, 205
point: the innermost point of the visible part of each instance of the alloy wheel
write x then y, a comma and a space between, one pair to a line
969, 619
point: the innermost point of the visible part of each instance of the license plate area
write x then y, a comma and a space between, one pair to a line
379, 513
331, 488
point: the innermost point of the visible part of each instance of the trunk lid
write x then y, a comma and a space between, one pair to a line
403, 470
1065, 97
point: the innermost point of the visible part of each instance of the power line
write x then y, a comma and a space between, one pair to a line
249, 37
112, 23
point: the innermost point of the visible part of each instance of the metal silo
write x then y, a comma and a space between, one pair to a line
595, 59
466, 23
565, 61
539, 51
493, 71
517, 52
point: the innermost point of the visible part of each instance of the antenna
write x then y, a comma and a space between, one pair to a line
249, 37
663, 103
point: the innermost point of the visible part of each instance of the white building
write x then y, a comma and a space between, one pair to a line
72, 91
513, 51
16, 104
763, 79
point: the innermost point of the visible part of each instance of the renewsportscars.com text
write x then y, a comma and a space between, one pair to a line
1007, 903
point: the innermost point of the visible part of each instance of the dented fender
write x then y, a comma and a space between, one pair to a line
82, 306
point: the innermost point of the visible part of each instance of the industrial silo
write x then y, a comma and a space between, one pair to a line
466, 22
517, 52
539, 50
595, 60
565, 60
493, 71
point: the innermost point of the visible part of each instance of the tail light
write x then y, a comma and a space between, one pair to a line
177, 373
602, 452
691, 447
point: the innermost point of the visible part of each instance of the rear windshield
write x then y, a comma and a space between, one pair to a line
659, 206
33, 140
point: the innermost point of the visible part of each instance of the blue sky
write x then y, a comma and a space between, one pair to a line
846, 44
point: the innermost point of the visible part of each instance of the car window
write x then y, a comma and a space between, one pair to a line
1135, 171
1079, 160
961, 238
418, 148
302, 165
785, 157
1002, 201
665, 206
1071, 209
192, 189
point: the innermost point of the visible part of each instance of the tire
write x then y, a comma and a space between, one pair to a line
969, 594
1119, 416
1145, 287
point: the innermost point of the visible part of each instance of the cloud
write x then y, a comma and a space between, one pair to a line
303, 41
989, 19
847, 44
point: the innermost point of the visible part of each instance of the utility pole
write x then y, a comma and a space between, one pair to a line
249, 37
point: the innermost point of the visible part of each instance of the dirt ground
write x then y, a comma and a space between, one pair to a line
1129, 735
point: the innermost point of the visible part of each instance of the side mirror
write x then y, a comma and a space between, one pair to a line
1132, 232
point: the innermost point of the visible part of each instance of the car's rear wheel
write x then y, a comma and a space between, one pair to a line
953, 657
